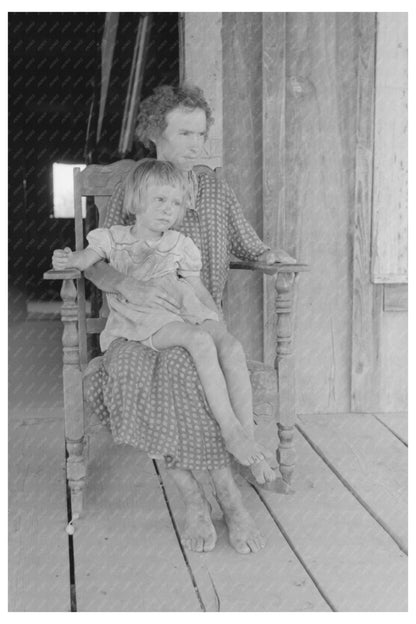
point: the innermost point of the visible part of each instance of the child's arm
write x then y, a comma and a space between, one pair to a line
202, 293
66, 259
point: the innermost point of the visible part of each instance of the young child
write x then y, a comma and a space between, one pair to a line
150, 251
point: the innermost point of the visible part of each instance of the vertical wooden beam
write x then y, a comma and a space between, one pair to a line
367, 299
274, 99
243, 158
202, 66
321, 56
389, 228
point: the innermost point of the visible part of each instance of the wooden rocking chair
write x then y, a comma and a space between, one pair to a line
273, 389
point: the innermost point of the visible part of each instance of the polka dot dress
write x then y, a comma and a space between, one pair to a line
154, 400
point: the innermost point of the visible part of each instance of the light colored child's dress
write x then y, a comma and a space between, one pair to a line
163, 262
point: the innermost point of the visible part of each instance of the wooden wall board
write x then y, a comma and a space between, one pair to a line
271, 580
389, 230
395, 298
274, 171
367, 299
356, 564
321, 59
393, 392
38, 544
242, 154
371, 461
203, 67
397, 423
127, 557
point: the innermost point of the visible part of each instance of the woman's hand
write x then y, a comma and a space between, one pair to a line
148, 294
272, 257
61, 259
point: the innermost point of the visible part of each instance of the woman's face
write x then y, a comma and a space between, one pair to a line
182, 140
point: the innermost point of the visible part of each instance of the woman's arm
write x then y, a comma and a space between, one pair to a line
245, 243
202, 293
108, 279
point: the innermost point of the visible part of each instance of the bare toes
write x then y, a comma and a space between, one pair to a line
241, 547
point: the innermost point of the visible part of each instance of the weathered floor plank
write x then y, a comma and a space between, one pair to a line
38, 544
397, 423
271, 580
356, 564
371, 461
127, 556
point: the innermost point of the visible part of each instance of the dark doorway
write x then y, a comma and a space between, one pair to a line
54, 79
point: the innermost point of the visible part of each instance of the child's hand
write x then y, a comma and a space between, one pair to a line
61, 259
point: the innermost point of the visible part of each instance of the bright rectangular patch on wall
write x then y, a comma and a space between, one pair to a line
63, 191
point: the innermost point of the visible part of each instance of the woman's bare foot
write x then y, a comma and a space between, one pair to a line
199, 532
262, 472
242, 445
244, 536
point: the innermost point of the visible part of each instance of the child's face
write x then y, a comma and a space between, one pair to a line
160, 207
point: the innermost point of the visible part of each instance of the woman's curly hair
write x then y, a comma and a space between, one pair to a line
153, 110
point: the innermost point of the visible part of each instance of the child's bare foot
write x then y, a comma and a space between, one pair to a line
242, 445
262, 472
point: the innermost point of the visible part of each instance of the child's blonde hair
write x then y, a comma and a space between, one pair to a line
152, 171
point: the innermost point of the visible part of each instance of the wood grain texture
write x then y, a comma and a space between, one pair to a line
366, 298
389, 231
38, 543
379, 339
397, 423
271, 580
203, 67
355, 563
371, 461
242, 153
395, 298
274, 171
126, 552
321, 60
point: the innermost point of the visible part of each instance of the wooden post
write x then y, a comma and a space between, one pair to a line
285, 373
73, 398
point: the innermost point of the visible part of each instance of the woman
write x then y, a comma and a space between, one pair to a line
155, 399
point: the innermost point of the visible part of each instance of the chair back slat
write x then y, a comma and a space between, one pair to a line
98, 182
95, 325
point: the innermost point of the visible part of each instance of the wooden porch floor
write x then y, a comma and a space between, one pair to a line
338, 544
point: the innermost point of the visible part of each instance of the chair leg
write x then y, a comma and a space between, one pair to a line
286, 453
76, 473
73, 397
285, 373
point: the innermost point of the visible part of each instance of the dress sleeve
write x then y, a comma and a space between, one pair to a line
244, 242
99, 240
190, 263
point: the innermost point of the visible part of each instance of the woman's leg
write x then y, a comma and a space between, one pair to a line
243, 534
233, 363
199, 532
204, 353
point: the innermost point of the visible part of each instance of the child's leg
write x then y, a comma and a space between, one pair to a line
204, 353
233, 363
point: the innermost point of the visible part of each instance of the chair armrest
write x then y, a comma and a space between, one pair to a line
63, 275
269, 269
